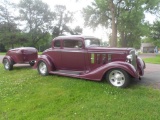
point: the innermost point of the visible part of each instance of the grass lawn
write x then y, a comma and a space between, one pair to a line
2, 53
154, 60
25, 95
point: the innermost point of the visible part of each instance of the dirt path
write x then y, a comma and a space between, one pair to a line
1, 57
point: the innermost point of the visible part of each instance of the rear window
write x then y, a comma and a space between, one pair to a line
57, 43
72, 44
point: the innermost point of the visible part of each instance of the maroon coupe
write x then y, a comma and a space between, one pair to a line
83, 57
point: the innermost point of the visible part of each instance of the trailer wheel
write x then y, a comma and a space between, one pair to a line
7, 64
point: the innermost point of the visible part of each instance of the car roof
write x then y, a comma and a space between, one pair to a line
74, 36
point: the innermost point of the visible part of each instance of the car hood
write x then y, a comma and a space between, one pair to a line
109, 50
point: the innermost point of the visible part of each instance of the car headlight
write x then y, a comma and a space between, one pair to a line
129, 57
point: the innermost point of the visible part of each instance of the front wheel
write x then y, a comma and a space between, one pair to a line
7, 64
118, 78
42, 68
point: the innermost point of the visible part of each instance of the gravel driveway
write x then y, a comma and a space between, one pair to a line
1, 57
151, 74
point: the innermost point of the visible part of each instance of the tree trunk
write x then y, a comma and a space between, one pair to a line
114, 25
123, 39
12, 45
114, 34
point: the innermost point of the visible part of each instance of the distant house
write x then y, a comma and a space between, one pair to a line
147, 47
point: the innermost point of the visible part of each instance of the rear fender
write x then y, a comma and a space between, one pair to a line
48, 62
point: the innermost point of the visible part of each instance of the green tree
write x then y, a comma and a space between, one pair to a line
62, 21
155, 33
130, 25
122, 16
63, 17
38, 19
105, 13
8, 26
77, 30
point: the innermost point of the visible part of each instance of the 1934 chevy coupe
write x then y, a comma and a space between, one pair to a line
82, 57
22, 55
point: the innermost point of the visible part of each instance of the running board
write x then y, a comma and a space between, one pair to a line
67, 72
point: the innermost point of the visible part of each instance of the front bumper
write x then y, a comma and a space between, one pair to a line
140, 66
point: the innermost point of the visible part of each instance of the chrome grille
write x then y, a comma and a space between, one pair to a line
134, 59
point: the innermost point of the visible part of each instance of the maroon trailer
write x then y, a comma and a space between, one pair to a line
83, 57
23, 55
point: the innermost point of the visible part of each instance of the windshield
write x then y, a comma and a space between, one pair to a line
92, 42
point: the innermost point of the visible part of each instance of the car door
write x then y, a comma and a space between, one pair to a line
55, 53
73, 55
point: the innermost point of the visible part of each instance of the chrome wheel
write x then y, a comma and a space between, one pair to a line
118, 78
42, 68
7, 64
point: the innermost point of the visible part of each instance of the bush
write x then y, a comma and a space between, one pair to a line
2, 48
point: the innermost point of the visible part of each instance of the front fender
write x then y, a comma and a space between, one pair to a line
98, 73
47, 60
129, 68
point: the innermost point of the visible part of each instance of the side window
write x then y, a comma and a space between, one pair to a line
57, 43
72, 44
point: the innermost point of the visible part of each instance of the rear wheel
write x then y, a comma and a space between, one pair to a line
7, 64
118, 78
42, 68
